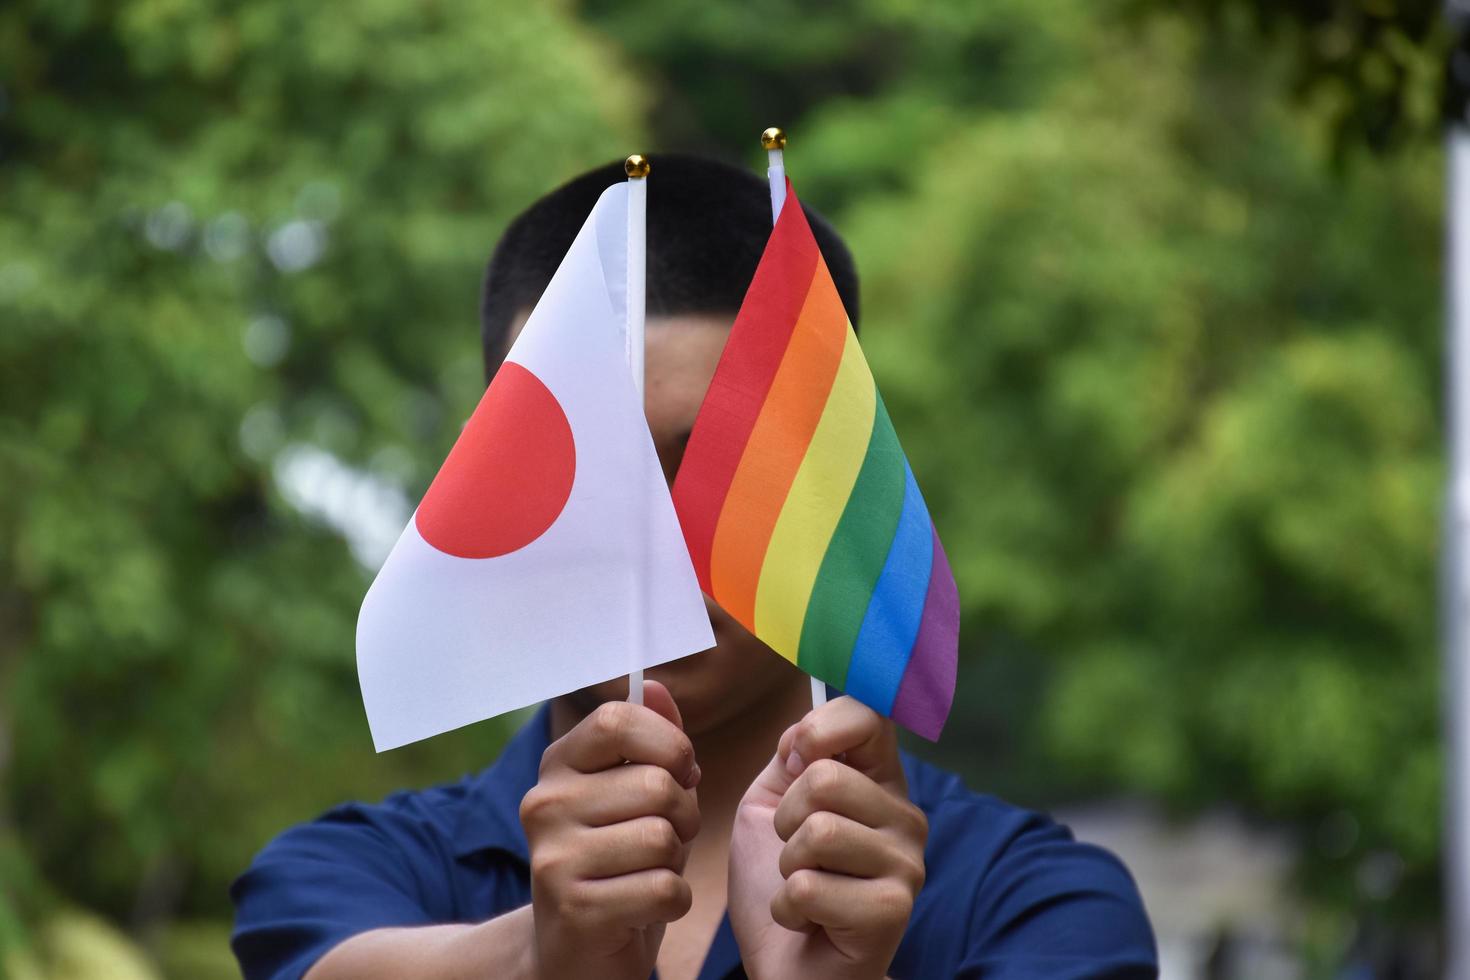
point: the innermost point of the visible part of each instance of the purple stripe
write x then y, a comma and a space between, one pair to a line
927, 689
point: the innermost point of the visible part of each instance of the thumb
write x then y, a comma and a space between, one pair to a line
776, 778
657, 699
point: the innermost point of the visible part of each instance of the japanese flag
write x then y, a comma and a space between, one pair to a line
545, 555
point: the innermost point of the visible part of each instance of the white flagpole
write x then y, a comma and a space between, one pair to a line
1454, 574
636, 167
774, 141
1454, 583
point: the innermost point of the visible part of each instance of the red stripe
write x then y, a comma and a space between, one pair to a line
776, 448
743, 378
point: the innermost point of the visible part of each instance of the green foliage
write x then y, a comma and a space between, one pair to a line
1170, 386
1371, 66
227, 230
76, 946
1176, 394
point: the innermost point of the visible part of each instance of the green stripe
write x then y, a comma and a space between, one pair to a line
854, 557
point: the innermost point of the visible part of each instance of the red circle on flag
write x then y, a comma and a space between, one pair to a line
508, 476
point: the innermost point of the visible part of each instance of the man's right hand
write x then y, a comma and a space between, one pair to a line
609, 821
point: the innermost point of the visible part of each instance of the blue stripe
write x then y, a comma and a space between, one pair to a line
886, 637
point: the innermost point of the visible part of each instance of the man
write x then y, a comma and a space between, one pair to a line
723, 829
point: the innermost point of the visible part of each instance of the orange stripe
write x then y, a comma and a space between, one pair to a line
778, 443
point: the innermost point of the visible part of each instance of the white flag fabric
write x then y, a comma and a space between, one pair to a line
546, 555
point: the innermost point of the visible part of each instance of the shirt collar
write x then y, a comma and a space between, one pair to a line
491, 820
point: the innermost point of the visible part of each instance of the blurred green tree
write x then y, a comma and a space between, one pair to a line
229, 232
1372, 68
1170, 383
1187, 440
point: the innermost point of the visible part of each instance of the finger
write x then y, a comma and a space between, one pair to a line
834, 901
623, 848
657, 699
606, 852
618, 732
828, 842
846, 727
626, 793
770, 785
836, 787
635, 900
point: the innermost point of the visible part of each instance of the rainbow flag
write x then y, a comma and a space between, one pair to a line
798, 505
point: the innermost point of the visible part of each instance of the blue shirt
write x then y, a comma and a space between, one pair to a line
1009, 894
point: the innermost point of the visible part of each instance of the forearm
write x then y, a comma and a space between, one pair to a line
502, 947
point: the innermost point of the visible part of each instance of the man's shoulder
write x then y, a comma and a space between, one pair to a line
435, 810
402, 829
474, 814
984, 825
981, 824
1007, 878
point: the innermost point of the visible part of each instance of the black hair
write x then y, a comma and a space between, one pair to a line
707, 225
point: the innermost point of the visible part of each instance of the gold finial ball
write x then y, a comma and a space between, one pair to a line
636, 166
774, 138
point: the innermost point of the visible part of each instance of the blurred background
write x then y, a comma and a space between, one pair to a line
1153, 291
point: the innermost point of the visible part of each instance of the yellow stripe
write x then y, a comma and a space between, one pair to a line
814, 506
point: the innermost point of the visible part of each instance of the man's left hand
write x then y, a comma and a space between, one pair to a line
827, 852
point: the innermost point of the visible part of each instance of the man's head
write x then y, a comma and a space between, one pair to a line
707, 225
